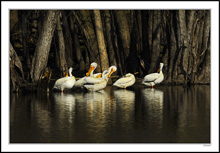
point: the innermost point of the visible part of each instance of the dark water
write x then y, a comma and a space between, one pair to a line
166, 114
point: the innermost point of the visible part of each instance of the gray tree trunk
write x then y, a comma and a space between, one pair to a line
63, 64
101, 41
42, 50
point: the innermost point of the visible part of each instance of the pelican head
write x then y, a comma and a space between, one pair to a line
128, 75
91, 69
161, 65
111, 70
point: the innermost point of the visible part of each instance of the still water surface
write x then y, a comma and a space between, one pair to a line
166, 114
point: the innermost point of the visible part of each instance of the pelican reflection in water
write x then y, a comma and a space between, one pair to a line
125, 101
66, 104
153, 102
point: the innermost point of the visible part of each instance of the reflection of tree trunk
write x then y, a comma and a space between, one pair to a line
124, 34
101, 41
67, 41
111, 52
79, 56
63, 64
40, 58
85, 22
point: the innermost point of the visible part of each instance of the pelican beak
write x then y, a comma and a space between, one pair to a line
99, 76
158, 70
90, 70
67, 75
112, 70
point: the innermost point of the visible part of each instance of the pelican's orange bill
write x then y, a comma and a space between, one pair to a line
90, 70
99, 76
112, 70
158, 70
67, 75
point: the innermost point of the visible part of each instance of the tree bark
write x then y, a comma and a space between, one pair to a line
25, 40
155, 52
85, 22
173, 49
67, 40
40, 58
63, 64
205, 52
79, 56
101, 41
108, 28
124, 35
16, 79
190, 26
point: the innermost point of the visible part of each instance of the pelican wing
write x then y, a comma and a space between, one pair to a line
151, 77
79, 83
159, 79
61, 81
92, 80
123, 80
96, 87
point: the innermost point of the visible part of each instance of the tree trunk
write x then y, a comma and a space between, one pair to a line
190, 26
101, 41
85, 22
173, 48
155, 52
79, 56
15, 76
116, 48
63, 64
40, 58
124, 35
25, 40
108, 28
205, 52
68, 41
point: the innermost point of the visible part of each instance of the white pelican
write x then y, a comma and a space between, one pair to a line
97, 84
93, 80
126, 81
154, 78
65, 82
79, 83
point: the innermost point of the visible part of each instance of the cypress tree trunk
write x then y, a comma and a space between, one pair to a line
25, 41
190, 26
76, 45
67, 41
40, 58
115, 45
16, 78
63, 64
85, 23
108, 28
155, 52
204, 76
124, 35
173, 48
101, 41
